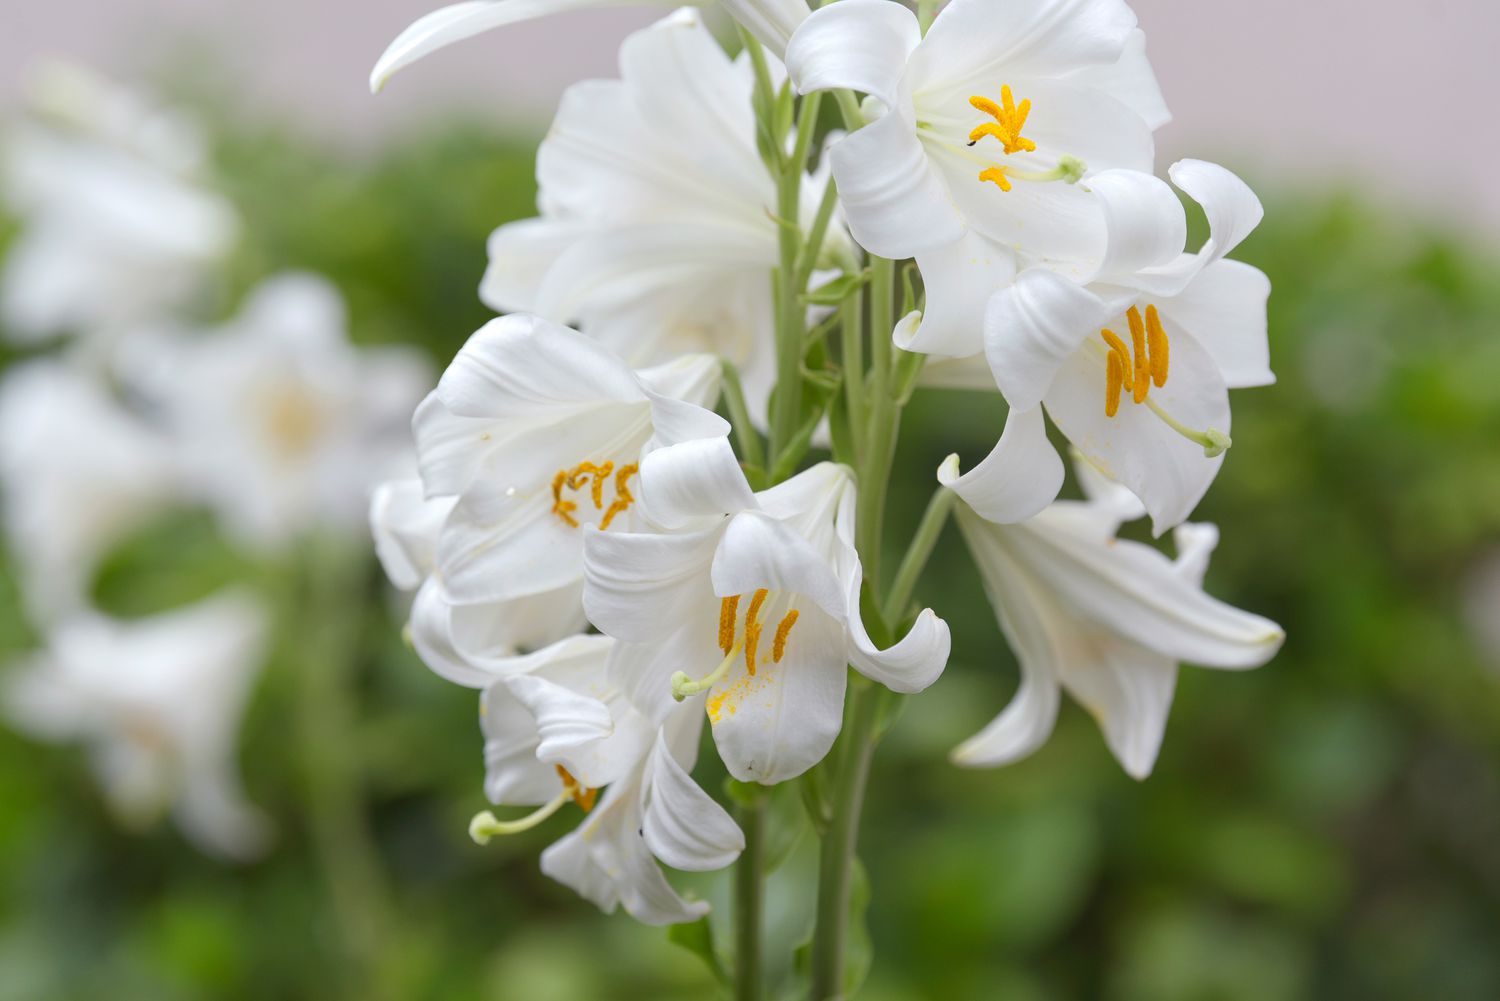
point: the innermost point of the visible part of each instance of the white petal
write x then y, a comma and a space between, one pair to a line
683, 483
691, 379
683, 825
1020, 476
1145, 224
1233, 210
459, 21
639, 586
1131, 81
757, 552
959, 278
771, 21
856, 45
1224, 310
895, 203
1128, 689
980, 41
777, 723
1195, 544
520, 255
914, 663
405, 526
566, 721
512, 774
1031, 328
526, 367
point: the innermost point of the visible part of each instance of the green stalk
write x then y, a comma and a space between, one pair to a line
739, 416
749, 900
880, 439
836, 860
918, 553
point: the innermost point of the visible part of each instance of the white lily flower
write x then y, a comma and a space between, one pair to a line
282, 422
983, 127
657, 232
79, 473
765, 586
159, 703
465, 643
1105, 618
1135, 373
538, 433
771, 21
557, 732
116, 224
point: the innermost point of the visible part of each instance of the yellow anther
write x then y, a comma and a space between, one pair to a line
1009, 121
728, 612
996, 174
1161, 348
594, 477
1134, 367
752, 629
576, 791
1113, 383
783, 630
601, 475
1141, 377
563, 508
623, 497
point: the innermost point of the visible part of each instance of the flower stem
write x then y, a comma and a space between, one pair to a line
836, 862
917, 554
749, 899
884, 420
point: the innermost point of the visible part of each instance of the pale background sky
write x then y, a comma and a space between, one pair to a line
1398, 96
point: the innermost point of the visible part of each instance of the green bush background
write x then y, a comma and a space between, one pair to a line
1327, 827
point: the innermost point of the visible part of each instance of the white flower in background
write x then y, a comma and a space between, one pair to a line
450, 638
79, 472
116, 225
281, 423
981, 133
557, 733
1137, 373
657, 232
1105, 618
534, 434
755, 600
771, 21
158, 701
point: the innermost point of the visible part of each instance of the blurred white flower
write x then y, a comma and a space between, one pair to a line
79, 472
557, 732
1136, 372
116, 225
158, 702
657, 232
533, 435
1105, 618
771, 21
765, 586
281, 424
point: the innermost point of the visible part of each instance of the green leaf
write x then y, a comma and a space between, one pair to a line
835, 292
698, 938
859, 949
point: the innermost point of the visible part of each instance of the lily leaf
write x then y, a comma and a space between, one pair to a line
698, 938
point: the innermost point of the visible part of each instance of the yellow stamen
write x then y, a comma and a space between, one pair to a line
600, 476
728, 612
1114, 382
1009, 121
594, 477
783, 629
996, 174
1118, 350
563, 508
584, 797
752, 629
1141, 377
1161, 349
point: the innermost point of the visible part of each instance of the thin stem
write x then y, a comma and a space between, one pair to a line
815, 237
739, 415
853, 361
836, 862
884, 419
749, 900
917, 554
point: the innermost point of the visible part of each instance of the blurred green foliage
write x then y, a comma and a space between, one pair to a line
1327, 827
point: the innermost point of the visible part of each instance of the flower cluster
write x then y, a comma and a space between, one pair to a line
589, 548
132, 408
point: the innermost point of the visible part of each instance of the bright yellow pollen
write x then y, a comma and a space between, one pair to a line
1009, 120
752, 629
783, 630
585, 798
1135, 367
728, 612
996, 174
594, 477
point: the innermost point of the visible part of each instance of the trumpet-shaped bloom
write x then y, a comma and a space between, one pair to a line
1105, 618
657, 232
984, 125
158, 701
79, 472
771, 21
538, 433
754, 598
281, 423
1136, 373
116, 224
